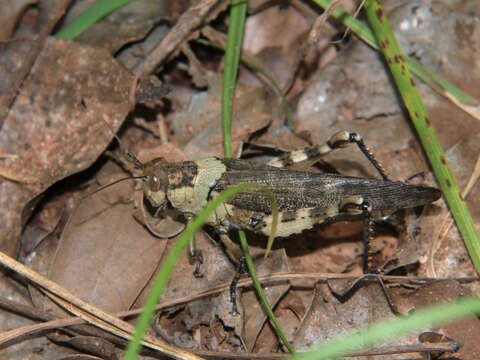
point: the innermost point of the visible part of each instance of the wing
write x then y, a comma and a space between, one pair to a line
294, 190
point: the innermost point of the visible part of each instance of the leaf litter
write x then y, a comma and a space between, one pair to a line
107, 255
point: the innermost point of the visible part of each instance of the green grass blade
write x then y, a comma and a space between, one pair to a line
261, 294
438, 83
411, 98
433, 316
442, 86
238, 13
89, 17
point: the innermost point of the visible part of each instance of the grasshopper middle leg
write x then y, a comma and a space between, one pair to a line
241, 269
235, 254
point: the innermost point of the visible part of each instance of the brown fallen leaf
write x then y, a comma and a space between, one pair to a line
56, 126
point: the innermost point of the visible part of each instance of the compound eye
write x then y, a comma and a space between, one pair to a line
154, 183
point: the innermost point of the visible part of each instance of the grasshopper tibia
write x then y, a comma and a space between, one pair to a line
235, 254
241, 269
368, 237
357, 139
355, 205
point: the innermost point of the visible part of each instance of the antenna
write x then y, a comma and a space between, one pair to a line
111, 184
138, 163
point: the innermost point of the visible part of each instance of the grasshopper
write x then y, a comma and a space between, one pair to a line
304, 199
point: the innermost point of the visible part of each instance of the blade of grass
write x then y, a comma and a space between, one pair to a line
261, 294
238, 13
411, 98
433, 316
442, 86
232, 57
89, 17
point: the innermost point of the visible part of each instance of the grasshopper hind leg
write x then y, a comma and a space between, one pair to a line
344, 138
339, 140
368, 237
357, 205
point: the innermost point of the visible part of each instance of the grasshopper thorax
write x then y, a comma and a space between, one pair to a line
156, 183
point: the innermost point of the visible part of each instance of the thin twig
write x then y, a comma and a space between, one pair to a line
190, 20
88, 312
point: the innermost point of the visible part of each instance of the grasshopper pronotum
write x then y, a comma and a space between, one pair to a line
304, 199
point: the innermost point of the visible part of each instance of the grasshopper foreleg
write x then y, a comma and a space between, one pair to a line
194, 253
198, 256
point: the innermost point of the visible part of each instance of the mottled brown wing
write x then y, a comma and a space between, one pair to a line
295, 190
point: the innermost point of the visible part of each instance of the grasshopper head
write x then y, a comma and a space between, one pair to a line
156, 183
